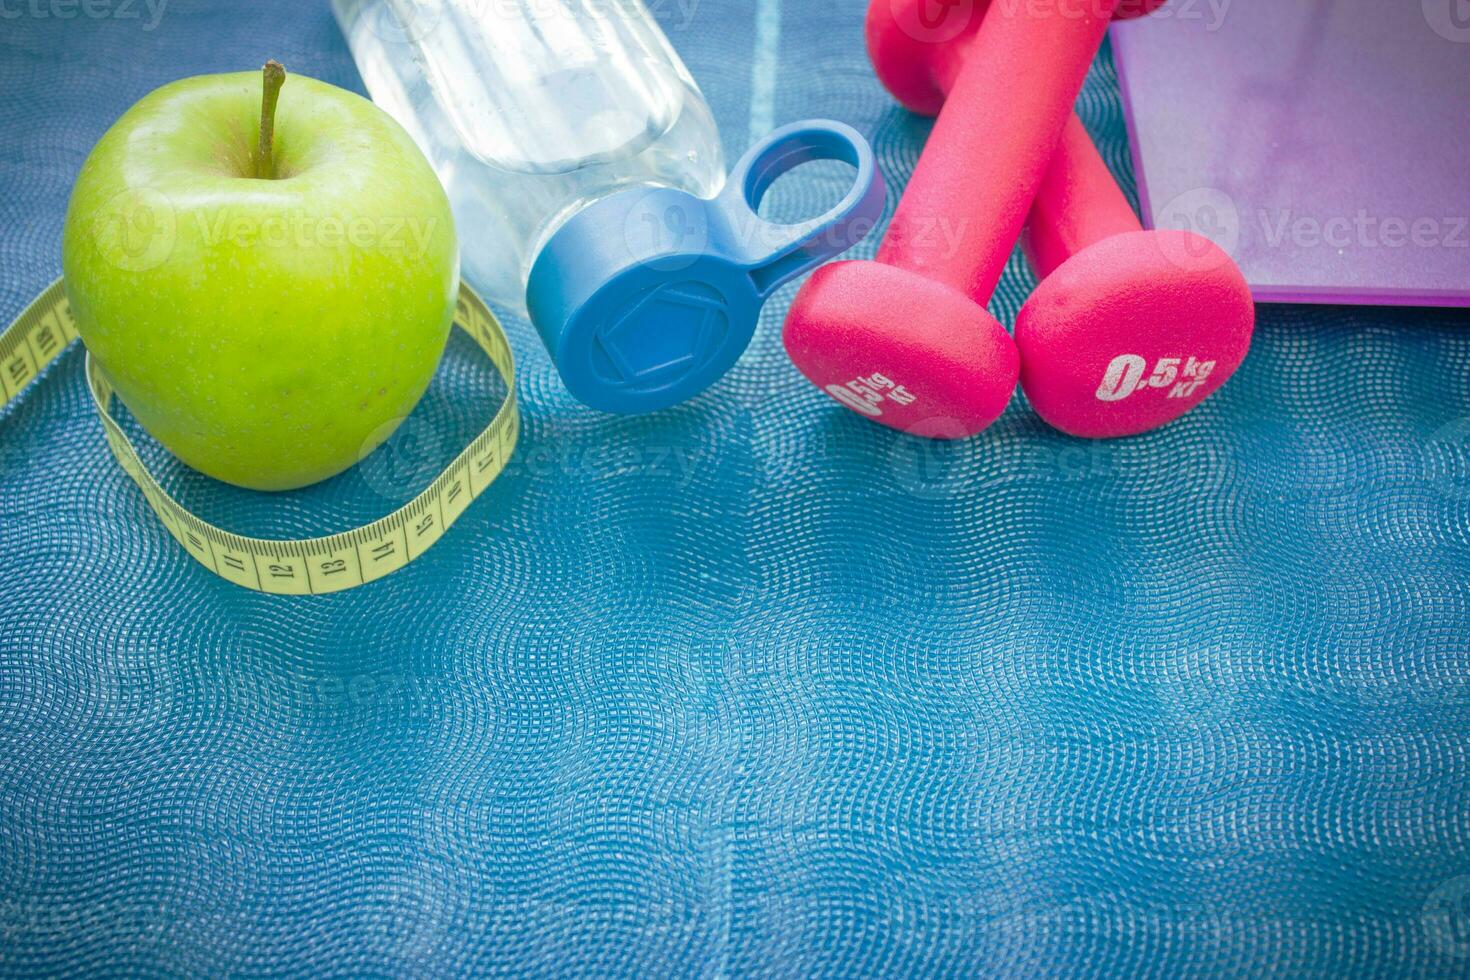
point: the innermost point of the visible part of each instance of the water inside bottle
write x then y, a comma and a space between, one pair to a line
530, 110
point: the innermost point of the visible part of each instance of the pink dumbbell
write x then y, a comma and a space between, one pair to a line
1129, 329
906, 339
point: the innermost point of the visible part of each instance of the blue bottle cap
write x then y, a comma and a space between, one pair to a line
650, 295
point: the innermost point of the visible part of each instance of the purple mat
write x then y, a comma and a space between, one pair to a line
1324, 143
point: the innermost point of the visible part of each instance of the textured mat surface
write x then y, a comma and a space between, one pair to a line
750, 686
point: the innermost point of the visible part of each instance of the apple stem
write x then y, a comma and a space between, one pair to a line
274, 77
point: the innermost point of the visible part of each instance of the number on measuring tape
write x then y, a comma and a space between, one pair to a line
287, 567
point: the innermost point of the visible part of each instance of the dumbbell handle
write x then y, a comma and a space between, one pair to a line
967, 200
1078, 204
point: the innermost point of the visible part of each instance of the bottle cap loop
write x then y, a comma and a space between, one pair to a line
650, 295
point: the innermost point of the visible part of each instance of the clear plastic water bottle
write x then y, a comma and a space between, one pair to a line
586, 176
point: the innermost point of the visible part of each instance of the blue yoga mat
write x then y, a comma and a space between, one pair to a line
750, 686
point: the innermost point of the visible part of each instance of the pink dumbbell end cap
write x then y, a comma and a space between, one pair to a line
1133, 332
906, 351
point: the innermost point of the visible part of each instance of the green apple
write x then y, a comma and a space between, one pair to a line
267, 276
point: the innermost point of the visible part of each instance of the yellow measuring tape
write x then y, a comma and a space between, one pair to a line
313, 565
